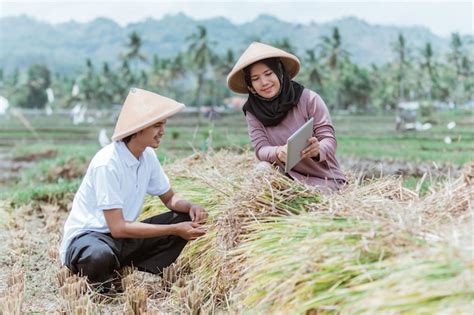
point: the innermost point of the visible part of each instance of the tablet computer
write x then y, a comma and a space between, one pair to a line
296, 143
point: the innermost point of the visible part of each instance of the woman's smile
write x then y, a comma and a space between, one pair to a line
264, 80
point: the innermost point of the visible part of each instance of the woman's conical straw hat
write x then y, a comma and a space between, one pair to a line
256, 52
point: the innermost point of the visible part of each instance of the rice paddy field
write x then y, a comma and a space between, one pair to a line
397, 240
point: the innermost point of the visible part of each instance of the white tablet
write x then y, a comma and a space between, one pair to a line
296, 143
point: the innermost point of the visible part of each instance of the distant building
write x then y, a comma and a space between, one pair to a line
407, 113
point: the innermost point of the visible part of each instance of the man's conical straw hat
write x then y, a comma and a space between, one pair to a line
142, 109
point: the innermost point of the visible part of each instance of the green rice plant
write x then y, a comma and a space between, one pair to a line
53, 179
56, 193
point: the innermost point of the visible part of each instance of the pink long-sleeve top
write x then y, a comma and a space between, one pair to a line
323, 173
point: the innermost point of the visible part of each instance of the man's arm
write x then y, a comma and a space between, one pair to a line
174, 202
119, 228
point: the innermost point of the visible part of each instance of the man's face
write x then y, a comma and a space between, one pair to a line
150, 136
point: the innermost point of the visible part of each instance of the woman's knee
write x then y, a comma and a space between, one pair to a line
263, 167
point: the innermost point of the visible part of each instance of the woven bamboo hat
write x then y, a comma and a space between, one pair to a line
256, 52
142, 109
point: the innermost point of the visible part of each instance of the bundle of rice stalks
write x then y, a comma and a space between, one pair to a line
296, 264
204, 179
208, 257
278, 246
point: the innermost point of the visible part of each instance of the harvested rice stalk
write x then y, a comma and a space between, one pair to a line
391, 215
12, 300
76, 295
63, 274
136, 298
191, 298
208, 256
204, 179
433, 281
73, 288
297, 264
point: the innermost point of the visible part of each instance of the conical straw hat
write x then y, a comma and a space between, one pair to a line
142, 109
256, 52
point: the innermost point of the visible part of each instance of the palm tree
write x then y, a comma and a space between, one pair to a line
106, 86
334, 54
357, 86
177, 67
157, 64
401, 51
332, 49
315, 76
133, 54
462, 83
428, 64
127, 76
226, 63
456, 53
201, 55
176, 70
89, 85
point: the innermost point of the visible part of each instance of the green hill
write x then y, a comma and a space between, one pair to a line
65, 46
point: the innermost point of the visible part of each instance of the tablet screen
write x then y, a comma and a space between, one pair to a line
296, 143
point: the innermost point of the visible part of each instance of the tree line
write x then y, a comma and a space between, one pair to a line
197, 76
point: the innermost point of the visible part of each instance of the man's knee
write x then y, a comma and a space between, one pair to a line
101, 256
181, 217
97, 264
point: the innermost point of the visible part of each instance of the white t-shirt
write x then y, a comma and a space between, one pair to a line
114, 179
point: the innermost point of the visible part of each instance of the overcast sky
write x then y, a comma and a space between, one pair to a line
441, 17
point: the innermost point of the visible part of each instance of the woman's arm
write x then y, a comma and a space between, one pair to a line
259, 138
323, 129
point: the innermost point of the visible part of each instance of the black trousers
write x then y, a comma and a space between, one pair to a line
98, 255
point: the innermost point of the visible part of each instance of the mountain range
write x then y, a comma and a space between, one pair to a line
64, 47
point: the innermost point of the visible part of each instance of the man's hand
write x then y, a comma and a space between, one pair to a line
197, 213
189, 230
312, 150
281, 153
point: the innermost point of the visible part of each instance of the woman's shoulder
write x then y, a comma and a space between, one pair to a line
310, 100
251, 119
309, 95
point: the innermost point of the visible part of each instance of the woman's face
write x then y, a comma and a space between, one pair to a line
264, 81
